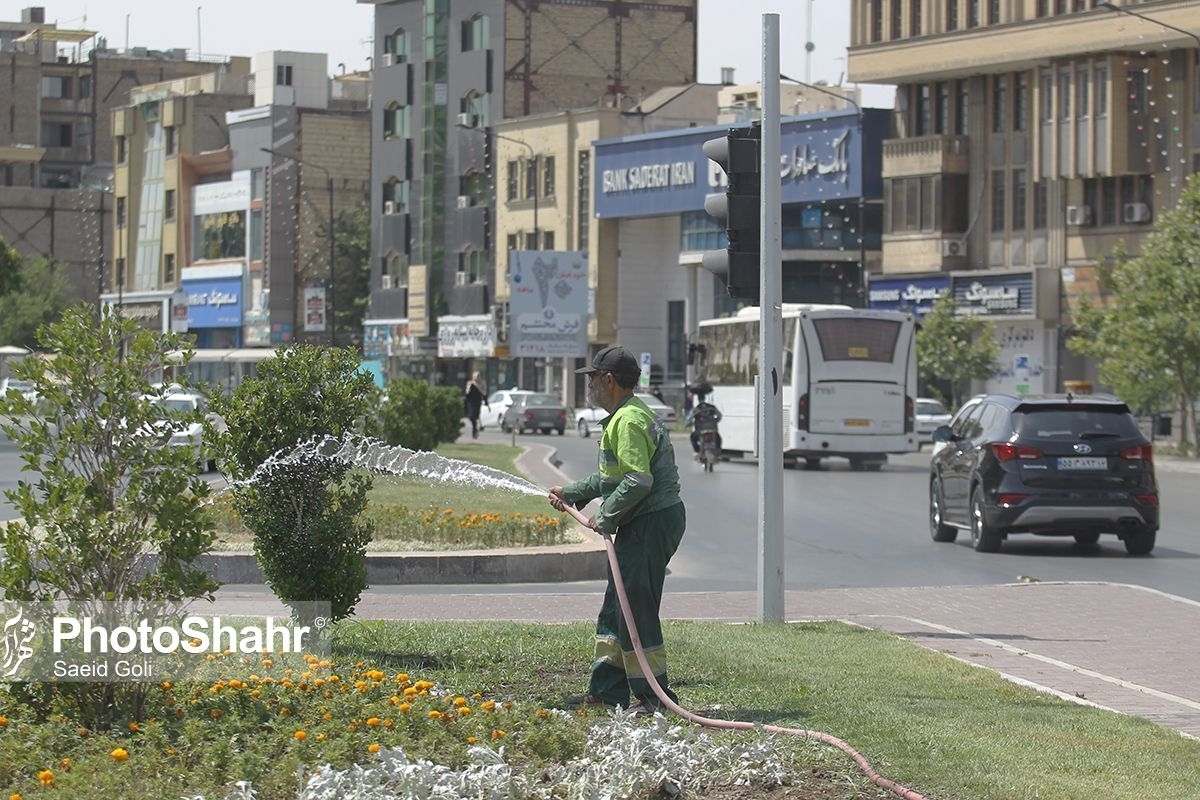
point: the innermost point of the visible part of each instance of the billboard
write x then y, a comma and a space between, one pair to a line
548, 304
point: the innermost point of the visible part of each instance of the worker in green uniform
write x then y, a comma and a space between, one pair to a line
640, 508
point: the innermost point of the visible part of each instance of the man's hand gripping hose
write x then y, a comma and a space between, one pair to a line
631, 624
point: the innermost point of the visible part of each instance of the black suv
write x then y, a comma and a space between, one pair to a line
1057, 465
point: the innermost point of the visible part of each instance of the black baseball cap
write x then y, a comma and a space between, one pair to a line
615, 359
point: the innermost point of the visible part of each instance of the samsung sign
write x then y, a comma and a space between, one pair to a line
914, 295
821, 158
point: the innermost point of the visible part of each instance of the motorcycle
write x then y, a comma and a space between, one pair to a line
710, 450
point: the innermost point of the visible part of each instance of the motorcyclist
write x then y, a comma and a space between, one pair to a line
704, 416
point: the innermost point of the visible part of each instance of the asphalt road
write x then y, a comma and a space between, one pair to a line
847, 529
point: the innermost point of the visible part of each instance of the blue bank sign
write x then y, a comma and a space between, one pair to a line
822, 157
214, 302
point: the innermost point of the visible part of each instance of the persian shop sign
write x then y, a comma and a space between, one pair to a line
214, 303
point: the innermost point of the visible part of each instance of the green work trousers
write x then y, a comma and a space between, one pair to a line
644, 546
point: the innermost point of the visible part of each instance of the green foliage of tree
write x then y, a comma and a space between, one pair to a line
109, 513
32, 294
955, 348
352, 265
419, 416
1147, 337
310, 540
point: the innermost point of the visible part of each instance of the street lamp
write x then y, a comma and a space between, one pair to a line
331, 307
862, 186
1122, 10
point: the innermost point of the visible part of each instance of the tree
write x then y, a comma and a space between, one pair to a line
309, 539
352, 265
419, 416
109, 515
1145, 333
32, 294
955, 348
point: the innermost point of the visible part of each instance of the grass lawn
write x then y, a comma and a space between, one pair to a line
938, 727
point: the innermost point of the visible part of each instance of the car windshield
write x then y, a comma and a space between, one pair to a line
1075, 423
930, 407
541, 400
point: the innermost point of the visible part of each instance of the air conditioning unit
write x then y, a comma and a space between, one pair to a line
389, 59
464, 201
461, 279
466, 120
389, 207
953, 247
1136, 212
1079, 215
385, 282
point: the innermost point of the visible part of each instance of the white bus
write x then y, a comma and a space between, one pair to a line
849, 382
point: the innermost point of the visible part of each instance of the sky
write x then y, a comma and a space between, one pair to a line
730, 32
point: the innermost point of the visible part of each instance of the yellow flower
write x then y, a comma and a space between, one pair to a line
460, 701
327, 715
120, 754
498, 734
435, 714
166, 686
471, 740
488, 705
372, 722
134, 727
65, 764
543, 713
300, 736
46, 777
320, 737
373, 747
403, 707
463, 711
14, 796
3, 720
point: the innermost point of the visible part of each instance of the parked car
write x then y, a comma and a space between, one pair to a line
587, 420
184, 431
535, 411
1058, 465
17, 385
931, 415
499, 401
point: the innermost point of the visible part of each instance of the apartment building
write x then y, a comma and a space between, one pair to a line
56, 148
445, 75
1032, 137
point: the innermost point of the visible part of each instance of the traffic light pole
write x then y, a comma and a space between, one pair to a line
770, 355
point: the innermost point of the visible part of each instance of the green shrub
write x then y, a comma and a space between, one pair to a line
419, 416
305, 514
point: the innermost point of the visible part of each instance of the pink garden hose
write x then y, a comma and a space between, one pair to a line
631, 624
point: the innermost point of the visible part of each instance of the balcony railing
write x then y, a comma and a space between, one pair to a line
925, 155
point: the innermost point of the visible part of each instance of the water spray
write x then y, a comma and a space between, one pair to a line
631, 625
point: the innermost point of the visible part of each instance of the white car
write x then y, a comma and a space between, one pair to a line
189, 433
931, 414
499, 402
17, 385
587, 420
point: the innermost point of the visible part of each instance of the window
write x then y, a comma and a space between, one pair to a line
962, 107
548, 178
168, 268
1047, 97
1043, 8
1021, 102
56, 87
513, 243
876, 20
1102, 91
1064, 95
1082, 89
396, 121
972, 13
1000, 104
531, 178
169, 140
283, 74
475, 33
998, 202
897, 20
514, 181
119, 268
912, 204
85, 87
122, 150
397, 192
914, 19
951, 15
993, 12
169, 204
531, 241
396, 45
941, 117
1018, 200
221, 235
57, 134
548, 240
924, 120
1041, 205
121, 211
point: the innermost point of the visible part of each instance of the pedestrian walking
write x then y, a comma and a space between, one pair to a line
638, 484
474, 396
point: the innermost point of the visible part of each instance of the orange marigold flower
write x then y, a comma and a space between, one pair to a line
373, 747
403, 707
14, 796
166, 686
471, 740
372, 722
460, 701
498, 734
134, 727
216, 713
46, 777
435, 714
300, 736
65, 764
543, 713
120, 754
488, 705
327, 715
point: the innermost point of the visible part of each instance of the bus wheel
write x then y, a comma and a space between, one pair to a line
812, 464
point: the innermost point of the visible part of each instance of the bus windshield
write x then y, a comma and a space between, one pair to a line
857, 339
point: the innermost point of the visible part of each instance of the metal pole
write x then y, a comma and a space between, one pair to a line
1122, 10
770, 354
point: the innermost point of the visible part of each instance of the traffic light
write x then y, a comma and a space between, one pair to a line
738, 210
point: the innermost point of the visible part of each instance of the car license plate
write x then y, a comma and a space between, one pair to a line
1083, 462
857, 423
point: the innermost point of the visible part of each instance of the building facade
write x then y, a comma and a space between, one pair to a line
1033, 136
445, 76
